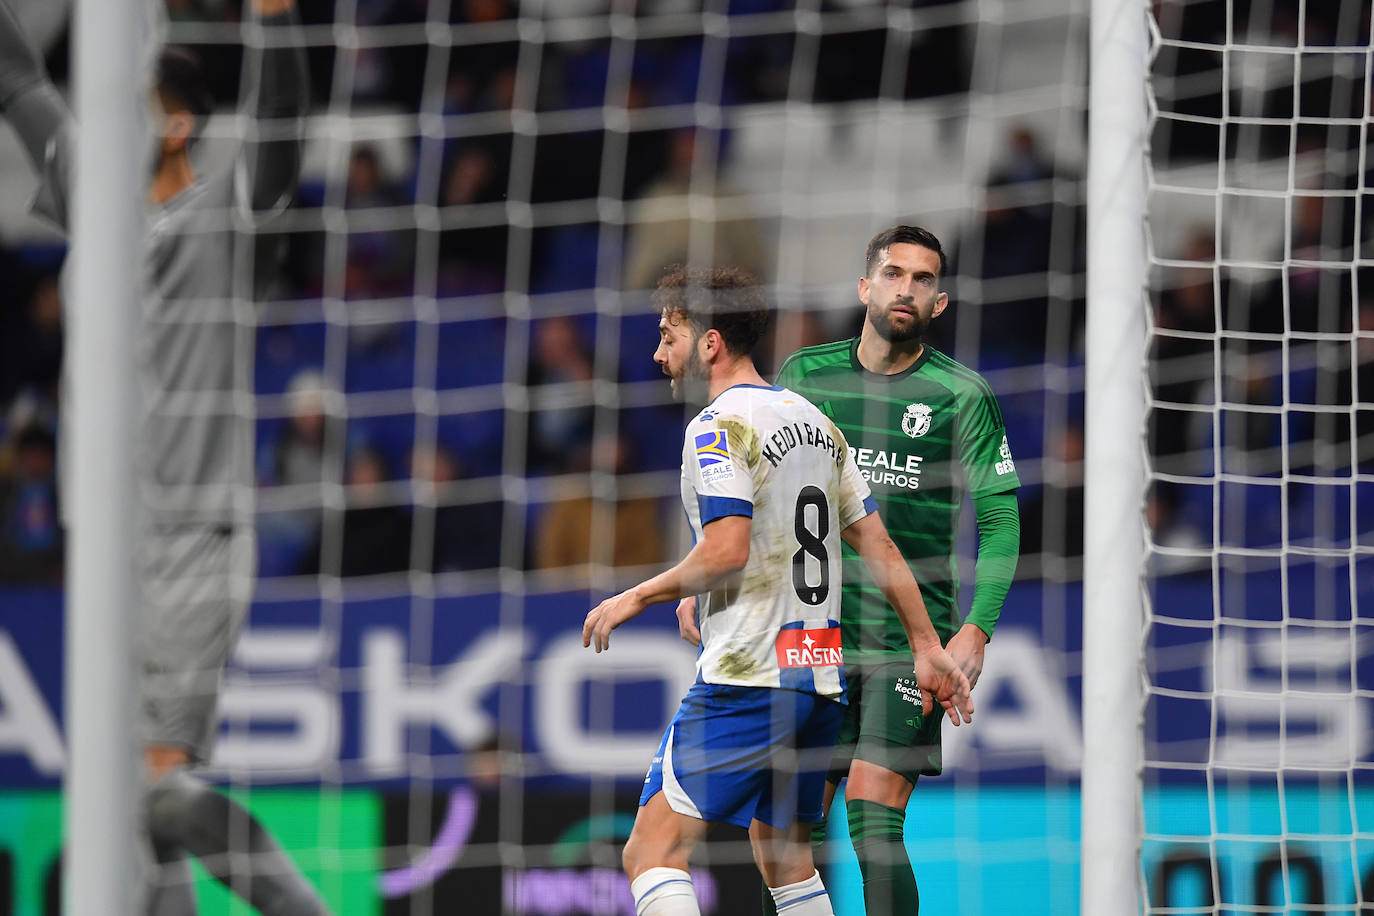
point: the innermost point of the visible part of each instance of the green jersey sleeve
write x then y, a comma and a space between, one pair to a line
984, 452
790, 375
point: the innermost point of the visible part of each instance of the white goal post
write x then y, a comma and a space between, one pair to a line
1114, 470
107, 220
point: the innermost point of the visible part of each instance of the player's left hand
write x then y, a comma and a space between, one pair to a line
608, 615
966, 648
938, 675
687, 620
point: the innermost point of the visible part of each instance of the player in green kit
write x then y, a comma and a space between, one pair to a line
926, 433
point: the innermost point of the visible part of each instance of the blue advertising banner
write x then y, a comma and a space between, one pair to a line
371, 691
374, 690
1259, 741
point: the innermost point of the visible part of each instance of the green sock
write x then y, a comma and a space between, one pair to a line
889, 882
822, 865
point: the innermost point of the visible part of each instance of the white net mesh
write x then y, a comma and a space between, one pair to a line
462, 442
1257, 753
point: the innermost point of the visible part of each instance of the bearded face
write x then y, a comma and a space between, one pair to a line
679, 356
902, 294
899, 320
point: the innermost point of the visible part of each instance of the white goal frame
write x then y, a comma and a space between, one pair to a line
110, 95
1114, 460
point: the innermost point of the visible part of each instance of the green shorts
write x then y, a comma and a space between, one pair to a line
884, 724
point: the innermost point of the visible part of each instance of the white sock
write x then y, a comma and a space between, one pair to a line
805, 898
665, 892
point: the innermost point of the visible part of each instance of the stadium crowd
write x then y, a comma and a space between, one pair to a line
1017, 270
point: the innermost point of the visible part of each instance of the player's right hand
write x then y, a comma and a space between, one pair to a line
687, 620
606, 616
937, 674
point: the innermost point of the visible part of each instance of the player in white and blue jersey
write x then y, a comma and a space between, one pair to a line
770, 489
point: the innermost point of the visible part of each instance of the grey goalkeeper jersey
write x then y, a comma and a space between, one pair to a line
201, 276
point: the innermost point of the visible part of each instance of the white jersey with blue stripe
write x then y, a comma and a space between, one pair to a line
767, 453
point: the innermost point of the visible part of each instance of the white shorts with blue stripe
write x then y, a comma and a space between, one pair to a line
734, 754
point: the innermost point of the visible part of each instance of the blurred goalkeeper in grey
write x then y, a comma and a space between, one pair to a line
197, 553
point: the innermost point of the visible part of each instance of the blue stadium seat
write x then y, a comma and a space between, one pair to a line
1251, 515
471, 353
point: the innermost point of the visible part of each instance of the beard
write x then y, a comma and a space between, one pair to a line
882, 322
693, 385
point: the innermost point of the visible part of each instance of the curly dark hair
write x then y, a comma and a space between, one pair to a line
911, 235
728, 299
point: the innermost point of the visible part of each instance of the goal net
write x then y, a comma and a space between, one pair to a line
461, 442
1260, 503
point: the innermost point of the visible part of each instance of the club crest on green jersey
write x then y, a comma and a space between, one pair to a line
916, 420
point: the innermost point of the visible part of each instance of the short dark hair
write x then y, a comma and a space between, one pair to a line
181, 84
910, 235
728, 299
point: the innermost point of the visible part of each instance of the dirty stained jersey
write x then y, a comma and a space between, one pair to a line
767, 453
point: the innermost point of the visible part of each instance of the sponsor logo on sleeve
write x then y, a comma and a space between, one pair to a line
713, 456
809, 648
1006, 465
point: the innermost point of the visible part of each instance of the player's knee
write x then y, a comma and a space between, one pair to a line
183, 810
644, 851
169, 803
633, 857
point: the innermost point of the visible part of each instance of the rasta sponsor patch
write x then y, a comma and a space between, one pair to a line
809, 648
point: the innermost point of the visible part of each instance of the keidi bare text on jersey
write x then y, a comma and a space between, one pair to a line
786, 438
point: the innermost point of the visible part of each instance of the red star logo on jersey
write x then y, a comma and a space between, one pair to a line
809, 648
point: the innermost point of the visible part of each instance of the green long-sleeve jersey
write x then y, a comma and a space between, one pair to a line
923, 439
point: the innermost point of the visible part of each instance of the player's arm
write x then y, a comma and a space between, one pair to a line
999, 543
34, 107
985, 460
936, 671
722, 551
272, 159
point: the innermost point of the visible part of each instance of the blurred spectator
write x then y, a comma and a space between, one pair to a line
1183, 366
1052, 519
1024, 173
1343, 387
473, 260
203, 10
664, 227
1319, 289
568, 528
32, 407
1172, 528
560, 433
30, 533
467, 536
1252, 428
32, 348
792, 329
1010, 251
375, 533
380, 260
296, 458
365, 186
